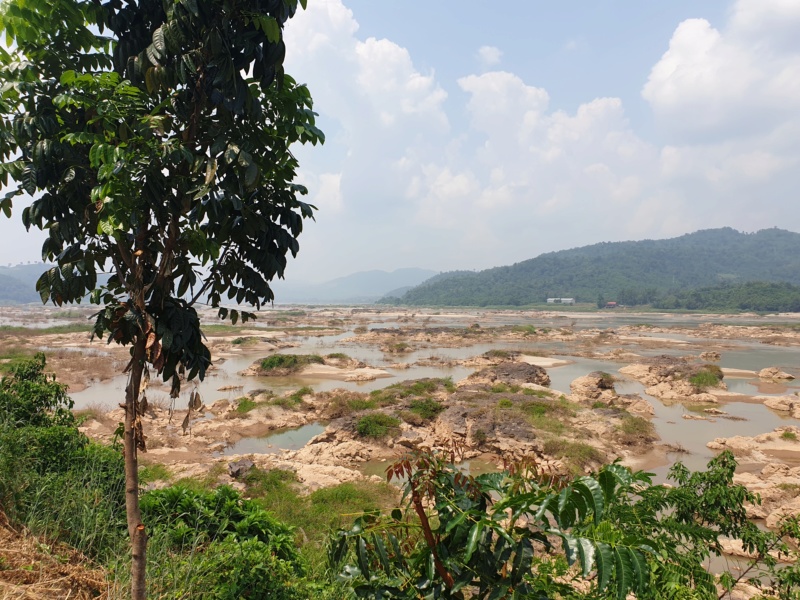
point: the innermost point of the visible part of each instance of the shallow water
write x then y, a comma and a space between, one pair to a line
673, 429
283, 439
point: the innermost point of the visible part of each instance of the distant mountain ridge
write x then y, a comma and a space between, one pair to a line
363, 287
18, 286
622, 270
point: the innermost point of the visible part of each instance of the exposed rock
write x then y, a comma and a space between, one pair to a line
790, 509
710, 355
240, 468
594, 387
513, 373
789, 404
774, 373
774, 446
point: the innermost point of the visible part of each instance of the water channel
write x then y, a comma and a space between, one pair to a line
752, 418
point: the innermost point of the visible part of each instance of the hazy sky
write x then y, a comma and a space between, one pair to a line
465, 135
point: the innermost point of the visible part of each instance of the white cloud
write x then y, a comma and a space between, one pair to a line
489, 56
715, 84
401, 183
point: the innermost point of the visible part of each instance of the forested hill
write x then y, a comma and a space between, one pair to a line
626, 272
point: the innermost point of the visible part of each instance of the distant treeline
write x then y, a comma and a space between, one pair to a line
753, 296
631, 273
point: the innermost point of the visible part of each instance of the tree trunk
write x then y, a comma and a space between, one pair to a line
134, 515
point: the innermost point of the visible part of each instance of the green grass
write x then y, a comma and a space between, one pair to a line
377, 425
316, 515
338, 356
427, 408
290, 362
576, 454
246, 404
505, 403
705, 378
13, 356
548, 415
37, 331
524, 329
246, 341
636, 430
154, 472
294, 399
357, 404
389, 395
790, 436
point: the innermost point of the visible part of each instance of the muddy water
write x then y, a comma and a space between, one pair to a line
285, 439
673, 429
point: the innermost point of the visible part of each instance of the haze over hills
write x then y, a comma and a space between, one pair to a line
628, 272
18, 286
363, 287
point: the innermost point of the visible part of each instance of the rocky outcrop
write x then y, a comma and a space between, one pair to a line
775, 446
594, 387
778, 485
513, 373
710, 355
668, 378
785, 404
774, 373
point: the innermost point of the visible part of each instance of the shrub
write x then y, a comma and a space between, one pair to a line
184, 514
636, 430
577, 454
290, 362
246, 341
505, 403
789, 436
705, 379
29, 396
294, 399
338, 356
377, 425
612, 535
357, 404
427, 408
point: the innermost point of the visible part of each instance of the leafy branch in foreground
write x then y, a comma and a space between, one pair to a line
520, 534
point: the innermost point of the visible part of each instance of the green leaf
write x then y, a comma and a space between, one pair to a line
211, 171
363, 561
251, 175
586, 553
271, 28
472, 540
593, 496
624, 571
605, 562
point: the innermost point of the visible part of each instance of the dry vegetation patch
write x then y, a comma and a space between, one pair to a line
31, 569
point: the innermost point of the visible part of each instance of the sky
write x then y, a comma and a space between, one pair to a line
466, 135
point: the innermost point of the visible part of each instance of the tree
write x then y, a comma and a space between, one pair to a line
155, 137
523, 534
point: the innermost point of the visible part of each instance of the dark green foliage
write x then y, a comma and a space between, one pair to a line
155, 140
426, 408
490, 537
635, 273
215, 515
708, 377
754, 296
31, 397
52, 479
377, 425
290, 362
391, 394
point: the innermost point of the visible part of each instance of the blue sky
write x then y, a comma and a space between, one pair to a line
466, 135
